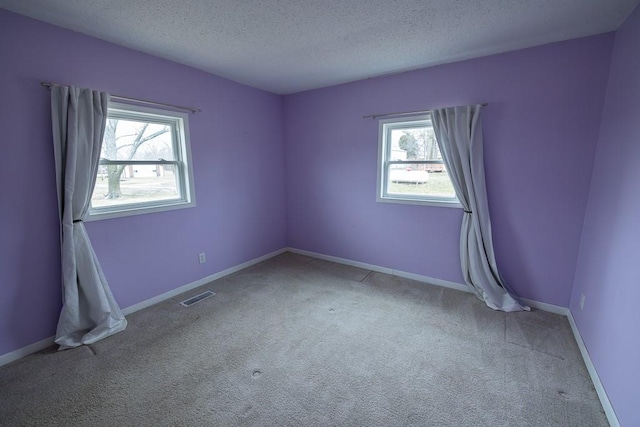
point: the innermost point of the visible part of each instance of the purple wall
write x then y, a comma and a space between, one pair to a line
540, 132
238, 167
606, 273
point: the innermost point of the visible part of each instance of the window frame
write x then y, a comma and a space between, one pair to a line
179, 123
385, 127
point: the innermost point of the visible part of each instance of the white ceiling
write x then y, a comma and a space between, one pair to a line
287, 46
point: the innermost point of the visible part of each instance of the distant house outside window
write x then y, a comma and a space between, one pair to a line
410, 166
145, 163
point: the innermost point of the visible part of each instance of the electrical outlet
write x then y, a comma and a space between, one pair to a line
582, 298
202, 258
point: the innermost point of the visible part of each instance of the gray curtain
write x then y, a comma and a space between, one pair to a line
89, 312
459, 134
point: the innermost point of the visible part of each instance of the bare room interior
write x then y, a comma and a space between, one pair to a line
381, 213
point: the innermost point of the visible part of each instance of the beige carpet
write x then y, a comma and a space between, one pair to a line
295, 341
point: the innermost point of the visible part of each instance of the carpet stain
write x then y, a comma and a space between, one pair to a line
365, 277
332, 310
414, 420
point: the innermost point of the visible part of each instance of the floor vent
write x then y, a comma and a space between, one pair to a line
189, 302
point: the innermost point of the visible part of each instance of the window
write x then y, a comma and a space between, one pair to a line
145, 163
410, 166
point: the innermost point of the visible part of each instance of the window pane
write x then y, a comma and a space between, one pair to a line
418, 143
126, 184
137, 140
151, 165
419, 180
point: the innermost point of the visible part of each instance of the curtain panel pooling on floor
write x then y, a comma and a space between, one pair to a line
89, 312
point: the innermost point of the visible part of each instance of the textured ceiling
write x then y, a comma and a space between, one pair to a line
287, 46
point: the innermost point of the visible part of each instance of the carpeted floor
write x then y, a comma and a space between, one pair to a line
295, 341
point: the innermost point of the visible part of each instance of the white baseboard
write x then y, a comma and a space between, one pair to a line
551, 308
432, 281
595, 378
399, 273
25, 351
341, 260
426, 279
172, 293
564, 311
41, 345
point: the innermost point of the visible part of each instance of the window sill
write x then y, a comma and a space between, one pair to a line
124, 212
420, 202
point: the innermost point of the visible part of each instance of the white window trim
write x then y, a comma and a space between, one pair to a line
383, 126
184, 152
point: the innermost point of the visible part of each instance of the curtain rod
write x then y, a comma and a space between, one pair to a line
49, 85
404, 113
